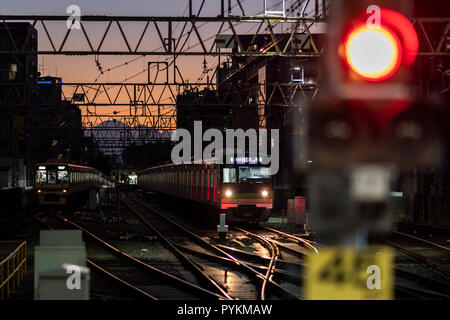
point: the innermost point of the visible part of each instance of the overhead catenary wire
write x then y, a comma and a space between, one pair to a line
183, 35
161, 47
188, 48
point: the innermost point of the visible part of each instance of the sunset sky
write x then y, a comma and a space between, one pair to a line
84, 69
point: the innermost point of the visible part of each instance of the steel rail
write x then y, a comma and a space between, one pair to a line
238, 263
258, 258
121, 281
434, 245
274, 254
193, 267
288, 249
440, 269
109, 274
229, 262
168, 276
302, 241
424, 281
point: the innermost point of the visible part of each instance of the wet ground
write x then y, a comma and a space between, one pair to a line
118, 226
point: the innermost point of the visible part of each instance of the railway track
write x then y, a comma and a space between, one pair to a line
417, 283
431, 276
416, 287
269, 272
134, 290
287, 252
299, 249
143, 279
274, 267
201, 275
414, 228
429, 254
274, 255
311, 245
257, 273
439, 234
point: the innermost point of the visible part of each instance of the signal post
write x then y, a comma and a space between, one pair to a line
366, 126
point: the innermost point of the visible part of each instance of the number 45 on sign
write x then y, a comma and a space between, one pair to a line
340, 273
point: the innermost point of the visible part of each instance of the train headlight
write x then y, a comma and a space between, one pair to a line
264, 193
228, 193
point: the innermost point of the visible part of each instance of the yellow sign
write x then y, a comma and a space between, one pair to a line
341, 273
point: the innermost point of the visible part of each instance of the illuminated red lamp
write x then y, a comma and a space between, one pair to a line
39, 191
64, 191
375, 53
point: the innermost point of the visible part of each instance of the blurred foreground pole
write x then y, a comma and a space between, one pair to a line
365, 127
60, 271
367, 123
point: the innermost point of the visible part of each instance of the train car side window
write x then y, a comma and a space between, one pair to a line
247, 174
63, 177
41, 176
229, 175
211, 177
52, 176
195, 178
204, 178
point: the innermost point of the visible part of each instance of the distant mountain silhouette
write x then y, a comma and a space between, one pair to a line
114, 136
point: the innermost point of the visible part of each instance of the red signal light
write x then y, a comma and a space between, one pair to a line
375, 53
39, 191
405, 31
64, 191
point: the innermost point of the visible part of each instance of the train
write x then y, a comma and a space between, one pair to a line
57, 180
243, 190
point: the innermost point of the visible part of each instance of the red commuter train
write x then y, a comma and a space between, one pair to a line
242, 190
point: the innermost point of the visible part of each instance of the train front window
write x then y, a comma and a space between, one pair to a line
52, 176
63, 177
41, 176
229, 175
253, 174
